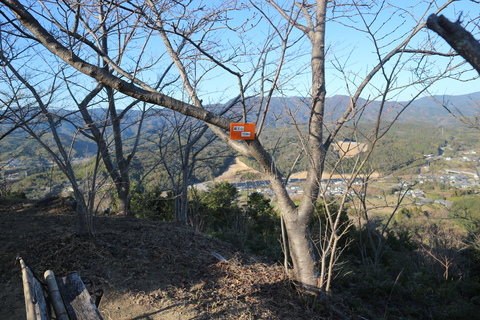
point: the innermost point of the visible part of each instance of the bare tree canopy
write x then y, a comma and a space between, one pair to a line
166, 53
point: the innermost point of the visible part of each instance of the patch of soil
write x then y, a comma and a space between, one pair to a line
235, 171
148, 270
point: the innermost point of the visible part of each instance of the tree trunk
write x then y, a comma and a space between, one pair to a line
181, 203
302, 255
123, 192
84, 223
296, 221
183, 209
457, 37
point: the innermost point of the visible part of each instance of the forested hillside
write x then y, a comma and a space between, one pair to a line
402, 148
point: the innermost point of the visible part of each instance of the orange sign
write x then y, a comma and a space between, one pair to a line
242, 131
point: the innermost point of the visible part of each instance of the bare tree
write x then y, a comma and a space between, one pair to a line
104, 116
5, 120
180, 140
45, 130
8, 103
201, 42
8, 124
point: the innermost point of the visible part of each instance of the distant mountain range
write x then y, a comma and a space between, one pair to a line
286, 111
282, 111
425, 110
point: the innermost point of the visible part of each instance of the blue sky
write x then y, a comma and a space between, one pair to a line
355, 51
363, 55
347, 46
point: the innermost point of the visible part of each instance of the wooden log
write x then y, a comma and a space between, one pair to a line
55, 296
35, 304
77, 300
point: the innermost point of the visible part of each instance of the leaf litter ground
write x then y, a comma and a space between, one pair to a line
147, 269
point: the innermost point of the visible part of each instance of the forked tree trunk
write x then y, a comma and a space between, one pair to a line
297, 223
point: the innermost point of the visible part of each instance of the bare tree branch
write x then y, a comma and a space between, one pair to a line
457, 37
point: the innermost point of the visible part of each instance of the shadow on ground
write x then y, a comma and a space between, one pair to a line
148, 270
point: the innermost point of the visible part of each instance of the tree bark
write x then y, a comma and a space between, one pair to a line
457, 37
84, 219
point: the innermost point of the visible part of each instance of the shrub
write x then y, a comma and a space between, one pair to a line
255, 227
152, 205
7, 193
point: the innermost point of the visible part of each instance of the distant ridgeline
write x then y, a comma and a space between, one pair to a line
423, 110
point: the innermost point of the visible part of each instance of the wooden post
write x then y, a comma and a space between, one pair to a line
76, 298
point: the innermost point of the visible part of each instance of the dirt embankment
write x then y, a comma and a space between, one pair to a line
148, 270
236, 170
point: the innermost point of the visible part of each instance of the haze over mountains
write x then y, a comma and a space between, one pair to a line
425, 110
282, 110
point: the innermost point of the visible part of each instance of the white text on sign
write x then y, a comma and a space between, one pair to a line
238, 128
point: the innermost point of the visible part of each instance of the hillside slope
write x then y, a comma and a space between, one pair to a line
148, 270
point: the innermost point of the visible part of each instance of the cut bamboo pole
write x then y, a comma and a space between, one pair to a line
27, 291
77, 299
55, 295
35, 305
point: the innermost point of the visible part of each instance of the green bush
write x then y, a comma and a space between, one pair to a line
152, 205
6, 191
218, 209
255, 227
263, 233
